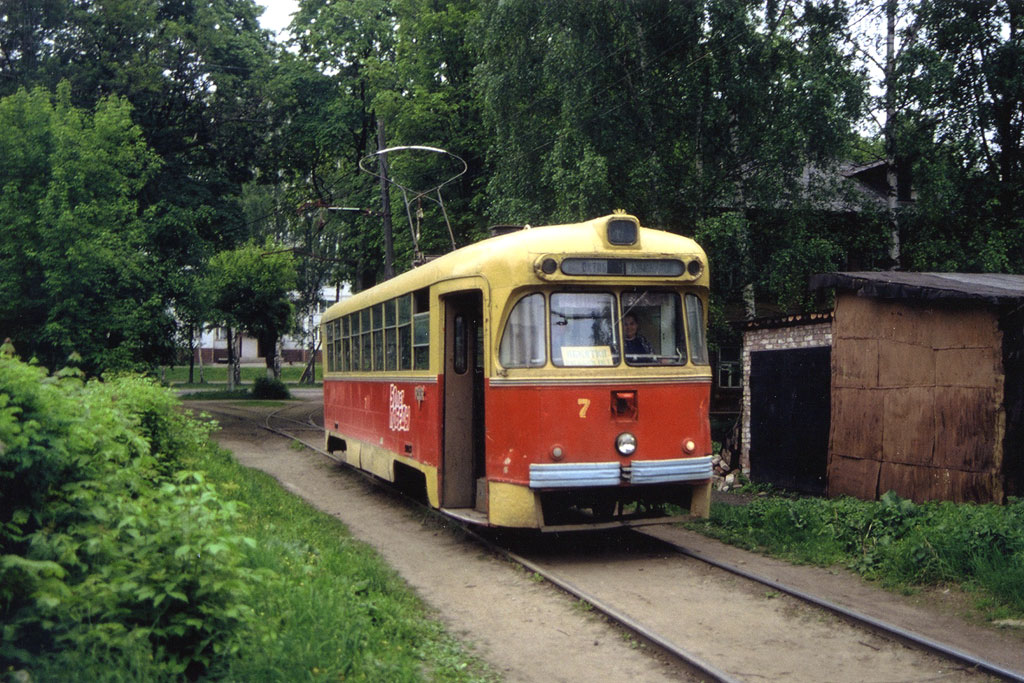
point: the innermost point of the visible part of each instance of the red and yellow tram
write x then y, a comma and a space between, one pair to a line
553, 378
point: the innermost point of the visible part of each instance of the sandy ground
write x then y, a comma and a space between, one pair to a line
530, 631
527, 630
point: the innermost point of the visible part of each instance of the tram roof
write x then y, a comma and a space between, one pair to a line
522, 247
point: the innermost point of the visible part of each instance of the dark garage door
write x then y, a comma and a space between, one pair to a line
789, 417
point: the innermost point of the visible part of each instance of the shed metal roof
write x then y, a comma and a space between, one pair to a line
993, 288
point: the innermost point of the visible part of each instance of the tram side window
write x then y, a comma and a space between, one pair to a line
390, 336
421, 340
346, 333
353, 342
365, 341
522, 342
329, 344
421, 329
404, 323
339, 360
652, 325
583, 329
378, 337
695, 323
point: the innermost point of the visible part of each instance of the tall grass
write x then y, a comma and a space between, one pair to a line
334, 610
895, 541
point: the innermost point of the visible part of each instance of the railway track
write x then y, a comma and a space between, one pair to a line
669, 566
965, 666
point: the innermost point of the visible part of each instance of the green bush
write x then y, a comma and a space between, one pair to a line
108, 548
265, 388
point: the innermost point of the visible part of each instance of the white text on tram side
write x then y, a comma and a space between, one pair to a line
398, 419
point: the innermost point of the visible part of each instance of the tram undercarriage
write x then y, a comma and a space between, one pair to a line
627, 506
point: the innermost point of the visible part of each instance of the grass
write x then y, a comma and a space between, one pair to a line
904, 545
334, 610
176, 376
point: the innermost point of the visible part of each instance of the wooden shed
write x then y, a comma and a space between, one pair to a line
927, 385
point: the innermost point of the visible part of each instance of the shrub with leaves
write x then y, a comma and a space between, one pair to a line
107, 546
265, 388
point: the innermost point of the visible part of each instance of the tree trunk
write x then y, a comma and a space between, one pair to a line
191, 353
273, 357
237, 364
202, 368
231, 361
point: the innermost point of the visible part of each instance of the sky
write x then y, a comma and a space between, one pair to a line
277, 13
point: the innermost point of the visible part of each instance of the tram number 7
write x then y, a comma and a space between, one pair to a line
584, 404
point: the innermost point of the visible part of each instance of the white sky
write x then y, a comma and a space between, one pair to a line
277, 14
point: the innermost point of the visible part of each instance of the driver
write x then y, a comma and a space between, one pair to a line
636, 343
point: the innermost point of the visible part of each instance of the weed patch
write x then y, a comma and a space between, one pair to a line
892, 540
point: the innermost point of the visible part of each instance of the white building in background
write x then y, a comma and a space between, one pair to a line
213, 343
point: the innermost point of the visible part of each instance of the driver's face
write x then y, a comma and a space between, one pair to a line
629, 327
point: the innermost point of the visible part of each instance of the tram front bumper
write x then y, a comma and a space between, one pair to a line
573, 475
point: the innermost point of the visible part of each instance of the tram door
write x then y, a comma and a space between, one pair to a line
463, 400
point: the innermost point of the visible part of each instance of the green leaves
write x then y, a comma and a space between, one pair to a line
893, 539
107, 542
75, 270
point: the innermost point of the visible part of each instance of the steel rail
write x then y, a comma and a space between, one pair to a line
853, 615
702, 666
689, 658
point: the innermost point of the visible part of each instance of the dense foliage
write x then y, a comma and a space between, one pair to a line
893, 540
76, 269
737, 120
132, 549
108, 544
265, 388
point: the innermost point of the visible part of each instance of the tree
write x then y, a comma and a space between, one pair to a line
76, 271
250, 288
193, 71
427, 96
339, 46
674, 110
968, 99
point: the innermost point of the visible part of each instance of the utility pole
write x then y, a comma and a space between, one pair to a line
385, 204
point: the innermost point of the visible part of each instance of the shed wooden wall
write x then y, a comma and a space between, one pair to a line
917, 400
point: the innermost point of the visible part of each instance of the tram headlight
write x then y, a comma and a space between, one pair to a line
689, 446
557, 453
625, 443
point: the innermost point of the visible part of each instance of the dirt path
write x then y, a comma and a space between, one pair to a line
527, 630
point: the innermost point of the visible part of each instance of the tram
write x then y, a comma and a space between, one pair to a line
552, 378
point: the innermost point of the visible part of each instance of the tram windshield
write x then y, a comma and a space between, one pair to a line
604, 329
583, 329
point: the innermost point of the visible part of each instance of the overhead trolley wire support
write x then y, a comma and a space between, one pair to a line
412, 195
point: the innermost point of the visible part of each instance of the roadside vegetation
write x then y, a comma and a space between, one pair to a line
904, 545
132, 548
176, 376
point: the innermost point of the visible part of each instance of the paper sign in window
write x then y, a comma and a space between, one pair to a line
577, 356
